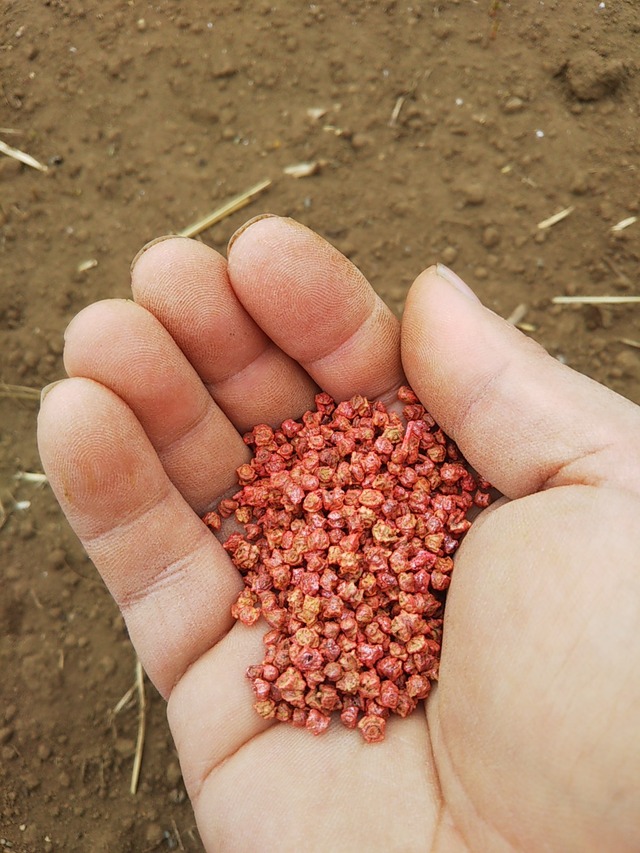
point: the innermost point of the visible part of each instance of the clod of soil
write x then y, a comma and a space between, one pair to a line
591, 77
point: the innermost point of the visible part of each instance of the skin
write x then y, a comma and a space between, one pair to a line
530, 740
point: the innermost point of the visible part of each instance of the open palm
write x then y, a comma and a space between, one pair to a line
530, 741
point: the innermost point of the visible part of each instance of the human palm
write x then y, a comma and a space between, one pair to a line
530, 740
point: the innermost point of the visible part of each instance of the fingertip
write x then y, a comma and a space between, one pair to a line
164, 260
48, 388
443, 314
245, 227
440, 314
57, 398
452, 278
267, 238
90, 319
440, 284
63, 412
148, 246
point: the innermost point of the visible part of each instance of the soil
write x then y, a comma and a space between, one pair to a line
441, 131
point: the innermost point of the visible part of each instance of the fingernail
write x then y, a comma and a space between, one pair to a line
148, 245
246, 225
456, 281
48, 388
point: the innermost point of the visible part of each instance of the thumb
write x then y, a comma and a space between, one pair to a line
522, 419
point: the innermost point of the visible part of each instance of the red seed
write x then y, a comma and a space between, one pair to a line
372, 728
351, 518
389, 695
390, 667
212, 520
308, 659
317, 722
368, 654
266, 708
349, 717
349, 682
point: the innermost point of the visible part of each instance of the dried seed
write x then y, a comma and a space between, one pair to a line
351, 517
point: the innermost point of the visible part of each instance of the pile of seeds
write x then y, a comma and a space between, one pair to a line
351, 517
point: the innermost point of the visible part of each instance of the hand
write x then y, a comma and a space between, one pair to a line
531, 739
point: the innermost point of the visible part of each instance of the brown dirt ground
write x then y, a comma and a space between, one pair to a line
149, 115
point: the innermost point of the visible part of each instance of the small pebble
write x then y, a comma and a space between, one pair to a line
154, 834
56, 558
513, 105
108, 664
173, 773
449, 255
474, 193
44, 751
125, 747
490, 237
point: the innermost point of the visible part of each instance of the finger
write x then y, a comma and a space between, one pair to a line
222, 741
524, 420
293, 792
211, 710
170, 577
124, 347
185, 285
317, 307
531, 696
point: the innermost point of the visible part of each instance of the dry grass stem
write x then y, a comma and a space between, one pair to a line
19, 392
395, 113
31, 477
9, 505
624, 223
622, 278
594, 300
229, 207
36, 600
557, 217
124, 701
630, 342
409, 93
518, 314
27, 159
142, 725
177, 834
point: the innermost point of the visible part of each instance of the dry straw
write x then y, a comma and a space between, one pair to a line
557, 217
229, 207
19, 392
137, 689
22, 157
595, 300
142, 726
624, 223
